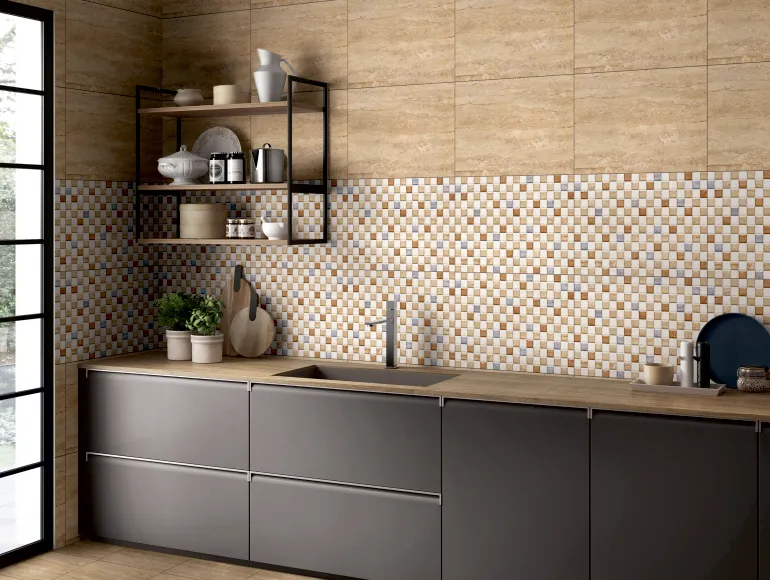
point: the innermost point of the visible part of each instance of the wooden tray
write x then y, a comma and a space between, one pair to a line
677, 389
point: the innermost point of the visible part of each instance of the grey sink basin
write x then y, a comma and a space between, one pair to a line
358, 375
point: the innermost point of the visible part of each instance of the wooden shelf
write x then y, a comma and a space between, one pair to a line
212, 242
238, 110
216, 187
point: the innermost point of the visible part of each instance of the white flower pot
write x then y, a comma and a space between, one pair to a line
178, 344
207, 349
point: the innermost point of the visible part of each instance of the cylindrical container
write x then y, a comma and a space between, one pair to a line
226, 95
178, 345
232, 228
686, 364
752, 379
658, 374
202, 220
235, 169
247, 229
218, 168
703, 368
267, 165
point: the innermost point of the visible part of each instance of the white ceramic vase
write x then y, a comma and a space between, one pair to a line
207, 349
188, 98
269, 77
178, 344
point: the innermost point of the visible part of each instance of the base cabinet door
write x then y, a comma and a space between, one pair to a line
347, 531
764, 503
515, 492
673, 498
171, 506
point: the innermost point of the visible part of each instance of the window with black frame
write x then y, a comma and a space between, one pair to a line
26, 281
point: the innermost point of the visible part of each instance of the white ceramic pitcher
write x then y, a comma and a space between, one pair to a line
269, 77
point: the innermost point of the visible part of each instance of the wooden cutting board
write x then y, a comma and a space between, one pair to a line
252, 331
236, 295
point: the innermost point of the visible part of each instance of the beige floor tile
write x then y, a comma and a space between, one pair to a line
739, 31
206, 570
641, 121
400, 42
44, 567
513, 38
270, 575
515, 127
612, 35
101, 570
173, 8
312, 37
145, 560
739, 116
89, 549
401, 131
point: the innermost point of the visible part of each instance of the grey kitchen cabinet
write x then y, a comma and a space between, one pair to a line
170, 506
515, 492
194, 421
348, 531
673, 498
764, 503
382, 440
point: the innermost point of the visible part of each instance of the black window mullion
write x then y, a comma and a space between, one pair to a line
21, 469
21, 317
22, 242
22, 90
17, 394
14, 165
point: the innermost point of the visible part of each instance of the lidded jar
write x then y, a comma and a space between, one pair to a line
752, 379
183, 167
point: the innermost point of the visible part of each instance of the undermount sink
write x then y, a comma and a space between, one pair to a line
364, 375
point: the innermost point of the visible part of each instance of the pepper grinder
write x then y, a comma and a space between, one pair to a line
686, 363
703, 370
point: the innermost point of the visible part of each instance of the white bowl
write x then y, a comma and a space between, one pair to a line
275, 230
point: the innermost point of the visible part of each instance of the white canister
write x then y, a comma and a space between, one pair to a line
226, 95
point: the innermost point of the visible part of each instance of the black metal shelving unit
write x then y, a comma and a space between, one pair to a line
291, 186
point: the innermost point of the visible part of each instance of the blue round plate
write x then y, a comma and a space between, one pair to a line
736, 340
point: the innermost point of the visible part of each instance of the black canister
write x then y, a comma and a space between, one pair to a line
236, 163
218, 168
703, 370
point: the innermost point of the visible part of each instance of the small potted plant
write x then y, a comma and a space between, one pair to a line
174, 310
206, 341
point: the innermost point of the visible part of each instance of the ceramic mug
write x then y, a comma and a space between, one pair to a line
658, 374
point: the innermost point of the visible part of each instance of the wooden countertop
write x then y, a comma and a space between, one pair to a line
535, 389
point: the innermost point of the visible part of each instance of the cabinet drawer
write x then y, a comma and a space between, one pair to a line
184, 508
348, 531
375, 439
171, 419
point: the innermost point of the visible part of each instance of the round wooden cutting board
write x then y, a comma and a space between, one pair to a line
252, 331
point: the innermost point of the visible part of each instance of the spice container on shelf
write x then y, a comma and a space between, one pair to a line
235, 170
218, 168
752, 379
247, 229
232, 230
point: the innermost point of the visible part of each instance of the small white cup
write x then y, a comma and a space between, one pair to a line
226, 95
658, 374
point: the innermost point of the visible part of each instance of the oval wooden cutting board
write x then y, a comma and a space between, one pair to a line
252, 331
236, 295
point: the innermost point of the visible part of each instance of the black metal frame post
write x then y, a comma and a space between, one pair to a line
292, 187
46, 315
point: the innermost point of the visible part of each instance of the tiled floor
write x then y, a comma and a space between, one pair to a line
93, 561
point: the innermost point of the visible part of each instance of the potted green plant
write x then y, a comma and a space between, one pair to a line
174, 310
206, 341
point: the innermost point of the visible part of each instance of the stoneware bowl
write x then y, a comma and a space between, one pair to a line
658, 374
275, 230
188, 98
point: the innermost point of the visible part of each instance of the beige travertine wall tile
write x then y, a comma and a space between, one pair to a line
739, 116
60, 385
149, 7
172, 8
59, 8
128, 46
268, 3
60, 120
59, 523
192, 128
641, 121
515, 127
308, 146
612, 35
203, 51
739, 31
513, 38
400, 42
100, 136
60, 421
401, 131
312, 37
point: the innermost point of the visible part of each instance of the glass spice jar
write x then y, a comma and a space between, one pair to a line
232, 229
247, 229
752, 379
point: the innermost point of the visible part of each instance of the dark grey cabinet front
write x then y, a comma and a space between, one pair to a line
171, 506
182, 420
764, 503
347, 531
516, 491
374, 439
672, 498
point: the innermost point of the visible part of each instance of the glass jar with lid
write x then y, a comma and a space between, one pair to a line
752, 379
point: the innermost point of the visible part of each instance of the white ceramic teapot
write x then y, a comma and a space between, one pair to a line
183, 167
269, 77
